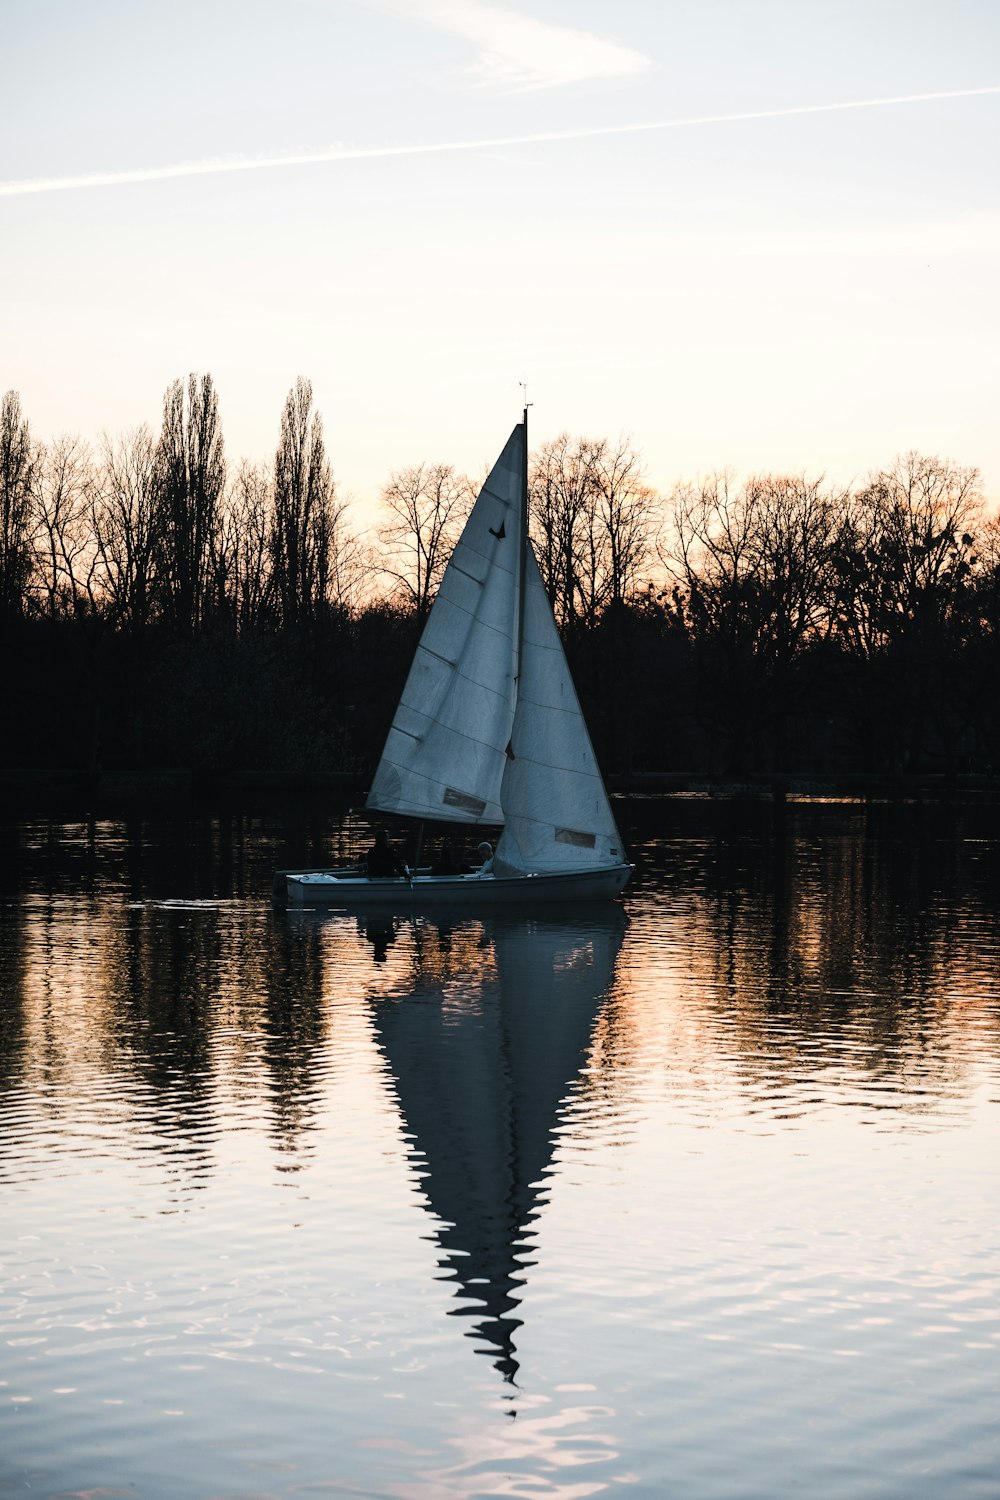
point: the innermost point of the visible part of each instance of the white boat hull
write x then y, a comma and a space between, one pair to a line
346, 888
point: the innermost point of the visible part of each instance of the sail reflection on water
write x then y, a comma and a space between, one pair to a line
484, 1043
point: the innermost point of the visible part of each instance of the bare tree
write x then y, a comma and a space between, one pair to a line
350, 566
591, 521
242, 552
754, 563
191, 473
65, 551
17, 480
710, 549
123, 517
305, 511
561, 491
903, 576
425, 508
797, 521
905, 549
752, 568
626, 511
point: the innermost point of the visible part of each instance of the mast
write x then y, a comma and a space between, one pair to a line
523, 554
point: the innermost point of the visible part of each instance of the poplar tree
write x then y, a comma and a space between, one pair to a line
17, 479
304, 525
191, 475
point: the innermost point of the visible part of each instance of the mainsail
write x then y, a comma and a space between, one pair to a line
445, 753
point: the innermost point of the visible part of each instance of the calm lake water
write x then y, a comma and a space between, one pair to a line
691, 1196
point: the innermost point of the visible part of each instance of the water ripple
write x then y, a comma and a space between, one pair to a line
701, 1202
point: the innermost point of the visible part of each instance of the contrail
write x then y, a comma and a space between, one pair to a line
214, 164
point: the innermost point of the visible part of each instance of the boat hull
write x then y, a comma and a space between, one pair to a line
346, 889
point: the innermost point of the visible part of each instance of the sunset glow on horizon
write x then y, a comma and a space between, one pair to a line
745, 235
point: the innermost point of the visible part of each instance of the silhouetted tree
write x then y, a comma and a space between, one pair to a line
753, 572
853, 631
981, 656
627, 511
561, 496
123, 517
591, 524
65, 551
425, 508
305, 516
17, 480
904, 549
242, 580
903, 563
191, 474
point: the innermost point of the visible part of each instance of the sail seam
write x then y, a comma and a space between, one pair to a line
452, 729
525, 758
456, 666
446, 661
474, 682
458, 733
554, 708
471, 614
496, 495
474, 617
490, 558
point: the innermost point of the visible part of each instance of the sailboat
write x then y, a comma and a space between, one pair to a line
489, 732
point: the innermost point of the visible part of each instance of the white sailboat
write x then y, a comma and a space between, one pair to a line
489, 731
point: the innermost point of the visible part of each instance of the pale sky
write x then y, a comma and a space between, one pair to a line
420, 203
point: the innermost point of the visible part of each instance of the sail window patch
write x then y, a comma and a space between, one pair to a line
572, 836
464, 800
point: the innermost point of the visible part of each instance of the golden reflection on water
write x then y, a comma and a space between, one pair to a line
753, 964
812, 955
694, 1124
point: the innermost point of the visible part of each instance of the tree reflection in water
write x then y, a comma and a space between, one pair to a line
245, 1142
812, 938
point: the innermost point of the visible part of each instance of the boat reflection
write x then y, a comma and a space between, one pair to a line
484, 1040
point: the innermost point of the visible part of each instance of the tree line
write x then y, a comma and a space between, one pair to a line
160, 605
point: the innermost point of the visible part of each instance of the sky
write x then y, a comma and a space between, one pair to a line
755, 234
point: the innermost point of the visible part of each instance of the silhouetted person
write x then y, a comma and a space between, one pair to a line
380, 860
485, 853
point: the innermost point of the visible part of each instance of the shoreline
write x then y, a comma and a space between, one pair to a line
73, 793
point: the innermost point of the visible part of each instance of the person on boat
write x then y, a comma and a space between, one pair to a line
485, 852
380, 861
